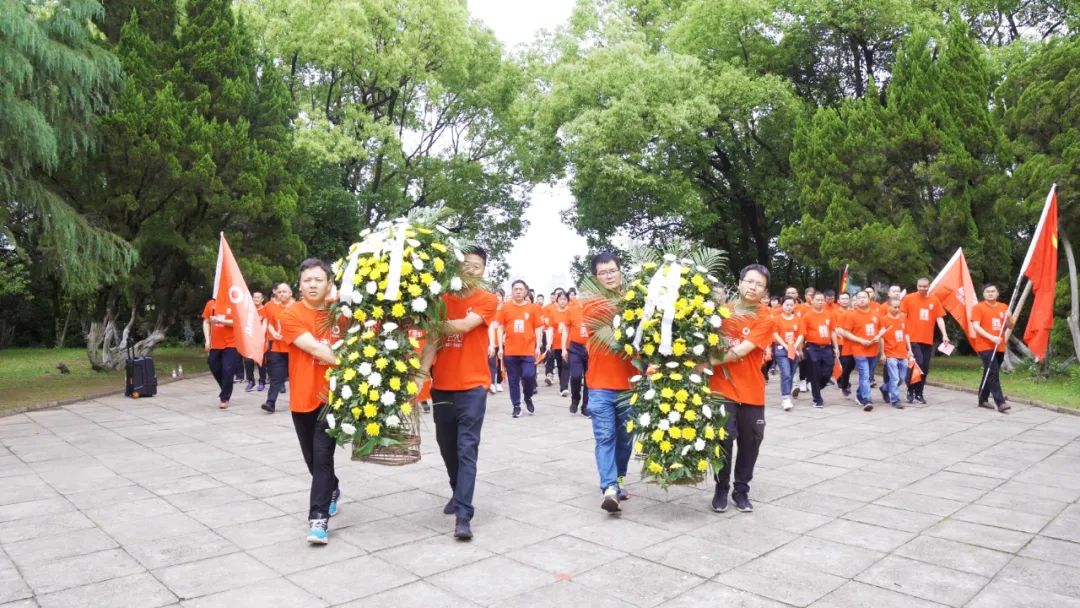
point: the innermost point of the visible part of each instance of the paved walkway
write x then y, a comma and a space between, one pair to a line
167, 501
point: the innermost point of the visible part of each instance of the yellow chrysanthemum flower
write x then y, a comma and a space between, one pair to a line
400, 366
721, 433
681, 395
415, 363
363, 389
438, 264
648, 349
678, 349
638, 447
373, 395
697, 400
675, 432
406, 408
665, 446
725, 312
356, 412
372, 429
628, 349
665, 407
367, 335
654, 468
630, 295
657, 435
353, 356
406, 269
353, 340
369, 351
412, 389
629, 426
666, 393
381, 363
370, 410
349, 374
415, 290
675, 376
680, 407
713, 339
377, 312
710, 432
628, 314
703, 465
690, 416
397, 310
634, 399
439, 247
426, 279
359, 314
395, 383
689, 434
413, 342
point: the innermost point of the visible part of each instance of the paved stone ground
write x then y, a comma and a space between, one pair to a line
167, 501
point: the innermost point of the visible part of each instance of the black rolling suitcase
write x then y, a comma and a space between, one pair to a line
140, 379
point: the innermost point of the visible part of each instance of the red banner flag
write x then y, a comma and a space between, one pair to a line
843, 280
1040, 267
229, 286
954, 288
916, 372
837, 370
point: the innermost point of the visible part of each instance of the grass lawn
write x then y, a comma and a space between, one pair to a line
28, 376
966, 372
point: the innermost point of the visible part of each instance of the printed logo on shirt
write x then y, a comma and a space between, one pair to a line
995, 322
924, 314
869, 329
454, 341
898, 335
823, 331
519, 326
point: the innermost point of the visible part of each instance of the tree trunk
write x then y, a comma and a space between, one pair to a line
1073, 320
107, 347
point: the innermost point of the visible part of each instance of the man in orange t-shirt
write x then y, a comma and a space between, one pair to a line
922, 311
576, 354
992, 324
549, 335
895, 291
305, 329
738, 381
862, 327
608, 377
221, 348
817, 331
847, 360
895, 351
459, 382
277, 359
520, 332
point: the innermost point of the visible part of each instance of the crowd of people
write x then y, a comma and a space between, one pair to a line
810, 342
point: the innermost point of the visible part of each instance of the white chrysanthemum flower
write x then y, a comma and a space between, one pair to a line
616, 321
696, 379
375, 379
413, 243
629, 331
707, 411
338, 345
707, 371
435, 288
354, 328
650, 394
716, 321
635, 379
389, 327
674, 417
699, 444
371, 287
417, 263
330, 422
346, 312
391, 344
460, 256
455, 284
672, 364
388, 398
723, 411
392, 420
663, 425
645, 419
370, 323
699, 349
348, 429
669, 257
333, 383
635, 269
336, 267
419, 305
686, 450
364, 368
346, 392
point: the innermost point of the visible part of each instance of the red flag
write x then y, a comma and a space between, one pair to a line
229, 286
954, 288
843, 279
916, 372
1040, 267
837, 370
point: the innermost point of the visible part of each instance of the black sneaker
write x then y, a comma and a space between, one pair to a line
529, 406
585, 411
573, 408
719, 499
795, 392
270, 409
920, 399
986, 404
449, 509
742, 503
250, 387
867, 406
462, 530
1003, 407
846, 392
898, 405
517, 411
910, 397
547, 380
884, 395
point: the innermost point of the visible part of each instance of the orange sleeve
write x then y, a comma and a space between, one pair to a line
208, 310
761, 332
488, 308
292, 327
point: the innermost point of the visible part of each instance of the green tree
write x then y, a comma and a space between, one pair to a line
56, 80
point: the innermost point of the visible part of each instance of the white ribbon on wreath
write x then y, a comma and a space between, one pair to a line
662, 293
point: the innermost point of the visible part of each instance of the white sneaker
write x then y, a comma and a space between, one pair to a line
498, 388
565, 393
804, 386
786, 403
491, 389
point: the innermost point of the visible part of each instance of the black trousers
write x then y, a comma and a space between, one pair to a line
992, 372
555, 360
579, 364
804, 369
459, 417
318, 450
222, 362
249, 370
278, 366
821, 360
746, 430
847, 365
495, 366
922, 353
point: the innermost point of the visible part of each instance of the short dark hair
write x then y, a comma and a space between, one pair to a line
476, 250
515, 283
603, 257
988, 284
572, 290
310, 263
500, 291
788, 299
756, 268
562, 294
829, 293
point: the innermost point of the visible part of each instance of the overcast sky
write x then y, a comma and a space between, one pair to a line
543, 254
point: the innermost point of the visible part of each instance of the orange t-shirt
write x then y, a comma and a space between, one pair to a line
519, 323
272, 312
425, 391
921, 314
308, 386
578, 325
743, 381
789, 329
221, 336
895, 332
607, 370
560, 322
817, 327
802, 309
864, 325
991, 318
462, 363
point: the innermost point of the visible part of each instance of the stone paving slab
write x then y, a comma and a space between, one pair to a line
168, 501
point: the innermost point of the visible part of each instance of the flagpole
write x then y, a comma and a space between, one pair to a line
1020, 279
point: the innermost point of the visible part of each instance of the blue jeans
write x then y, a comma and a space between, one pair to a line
521, 376
787, 370
897, 369
613, 442
865, 367
459, 416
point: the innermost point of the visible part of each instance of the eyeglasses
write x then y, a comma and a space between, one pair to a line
755, 283
607, 273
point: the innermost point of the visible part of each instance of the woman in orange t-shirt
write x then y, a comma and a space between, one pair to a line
785, 336
559, 321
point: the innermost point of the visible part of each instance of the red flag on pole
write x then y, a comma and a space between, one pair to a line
837, 370
1040, 267
916, 372
843, 280
954, 288
229, 286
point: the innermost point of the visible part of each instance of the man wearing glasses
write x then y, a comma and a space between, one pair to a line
737, 380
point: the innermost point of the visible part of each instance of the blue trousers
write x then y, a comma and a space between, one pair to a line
787, 370
613, 442
521, 376
865, 365
223, 364
897, 369
459, 416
